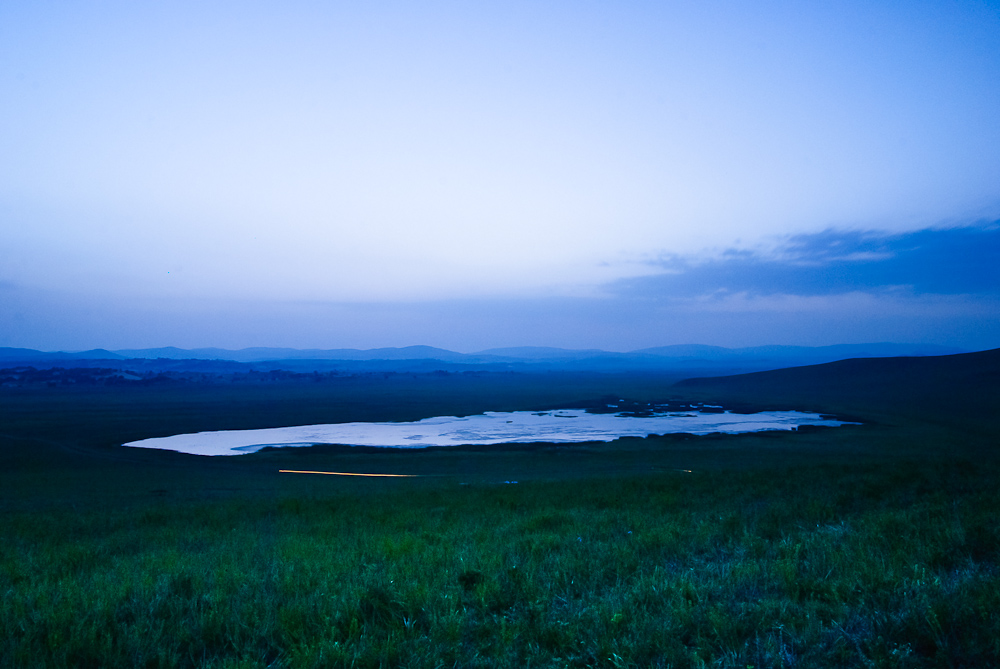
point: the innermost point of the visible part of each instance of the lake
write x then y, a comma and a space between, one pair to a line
562, 426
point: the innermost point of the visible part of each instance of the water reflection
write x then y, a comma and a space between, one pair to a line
485, 429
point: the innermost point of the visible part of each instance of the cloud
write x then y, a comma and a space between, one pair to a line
953, 261
930, 286
57, 320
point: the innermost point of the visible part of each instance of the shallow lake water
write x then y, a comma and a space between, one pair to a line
563, 426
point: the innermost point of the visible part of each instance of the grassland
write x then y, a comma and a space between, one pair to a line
874, 545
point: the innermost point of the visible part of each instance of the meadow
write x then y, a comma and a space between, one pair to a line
871, 545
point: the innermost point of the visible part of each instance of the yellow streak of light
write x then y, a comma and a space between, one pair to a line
299, 471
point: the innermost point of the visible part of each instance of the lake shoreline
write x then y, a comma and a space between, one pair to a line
491, 429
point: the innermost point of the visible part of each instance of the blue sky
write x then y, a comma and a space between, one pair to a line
470, 175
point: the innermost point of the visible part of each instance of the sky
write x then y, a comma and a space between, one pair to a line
475, 175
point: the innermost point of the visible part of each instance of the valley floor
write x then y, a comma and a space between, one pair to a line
872, 545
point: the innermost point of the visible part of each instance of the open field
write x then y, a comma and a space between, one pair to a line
873, 545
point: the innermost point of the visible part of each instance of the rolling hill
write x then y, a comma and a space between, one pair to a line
964, 386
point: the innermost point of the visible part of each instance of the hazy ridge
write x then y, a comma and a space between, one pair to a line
694, 359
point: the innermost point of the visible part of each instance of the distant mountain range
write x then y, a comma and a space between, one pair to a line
708, 360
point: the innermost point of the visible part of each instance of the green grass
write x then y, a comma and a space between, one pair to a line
859, 546
817, 567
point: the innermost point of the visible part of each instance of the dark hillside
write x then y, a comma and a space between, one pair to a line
962, 388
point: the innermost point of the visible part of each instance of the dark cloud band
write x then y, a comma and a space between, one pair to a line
934, 261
